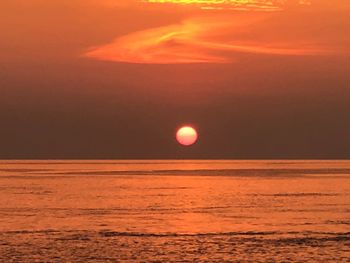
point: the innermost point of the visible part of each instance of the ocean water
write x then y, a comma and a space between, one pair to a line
175, 211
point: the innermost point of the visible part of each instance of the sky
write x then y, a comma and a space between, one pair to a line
90, 79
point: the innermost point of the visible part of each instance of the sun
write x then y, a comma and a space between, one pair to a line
186, 136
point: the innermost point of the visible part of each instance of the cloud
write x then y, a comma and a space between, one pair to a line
215, 39
257, 5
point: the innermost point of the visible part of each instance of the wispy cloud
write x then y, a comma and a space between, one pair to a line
257, 5
203, 40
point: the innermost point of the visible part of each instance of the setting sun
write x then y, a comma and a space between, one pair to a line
186, 136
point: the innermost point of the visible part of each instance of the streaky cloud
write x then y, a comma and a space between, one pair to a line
256, 5
203, 40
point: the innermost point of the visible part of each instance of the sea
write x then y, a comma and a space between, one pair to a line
175, 211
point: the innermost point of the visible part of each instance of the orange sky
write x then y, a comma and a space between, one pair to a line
113, 78
217, 34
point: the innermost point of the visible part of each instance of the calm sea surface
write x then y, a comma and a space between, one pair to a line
175, 211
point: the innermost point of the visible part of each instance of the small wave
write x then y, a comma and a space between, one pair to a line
212, 172
168, 188
337, 222
74, 237
45, 231
273, 236
26, 170
136, 234
296, 194
34, 193
289, 238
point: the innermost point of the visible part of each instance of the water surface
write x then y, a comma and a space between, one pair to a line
175, 211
